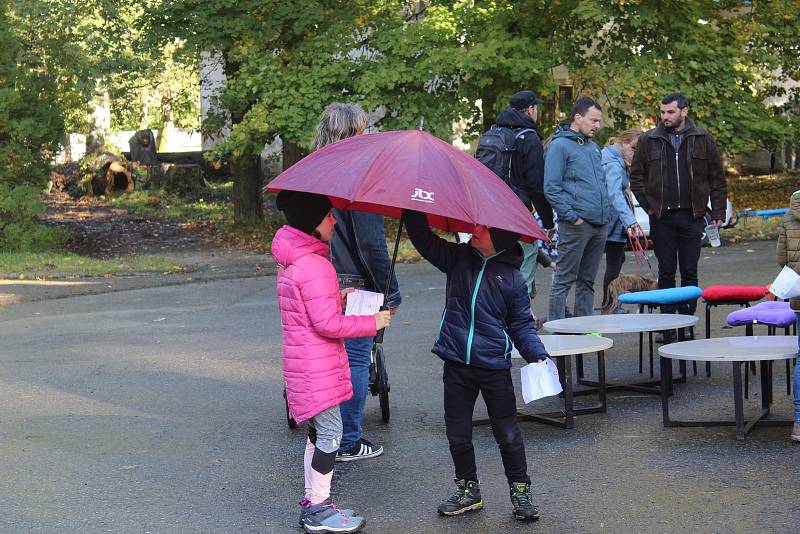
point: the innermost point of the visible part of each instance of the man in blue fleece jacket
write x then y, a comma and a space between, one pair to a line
575, 186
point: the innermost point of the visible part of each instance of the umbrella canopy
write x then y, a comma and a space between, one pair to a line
388, 172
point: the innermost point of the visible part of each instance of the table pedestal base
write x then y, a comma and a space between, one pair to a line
650, 387
742, 427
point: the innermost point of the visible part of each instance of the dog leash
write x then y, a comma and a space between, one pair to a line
639, 244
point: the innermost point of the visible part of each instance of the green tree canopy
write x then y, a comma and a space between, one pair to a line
725, 56
30, 126
461, 59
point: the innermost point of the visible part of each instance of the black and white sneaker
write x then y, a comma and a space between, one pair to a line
360, 451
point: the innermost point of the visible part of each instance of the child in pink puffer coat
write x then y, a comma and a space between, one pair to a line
315, 366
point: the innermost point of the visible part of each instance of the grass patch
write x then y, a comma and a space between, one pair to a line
752, 229
63, 264
211, 206
406, 253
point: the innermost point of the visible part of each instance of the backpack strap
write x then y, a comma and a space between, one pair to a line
522, 131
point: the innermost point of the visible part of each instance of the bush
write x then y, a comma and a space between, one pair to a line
19, 231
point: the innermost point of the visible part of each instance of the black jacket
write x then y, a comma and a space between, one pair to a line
656, 171
487, 306
527, 165
358, 249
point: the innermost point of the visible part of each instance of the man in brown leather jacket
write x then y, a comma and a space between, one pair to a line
675, 169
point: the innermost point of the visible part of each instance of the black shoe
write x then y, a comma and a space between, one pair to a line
362, 450
466, 497
524, 510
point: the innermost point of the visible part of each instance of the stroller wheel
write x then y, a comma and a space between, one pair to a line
382, 382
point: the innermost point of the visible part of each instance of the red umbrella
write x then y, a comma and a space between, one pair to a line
388, 172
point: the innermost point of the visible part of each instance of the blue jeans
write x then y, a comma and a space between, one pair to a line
358, 354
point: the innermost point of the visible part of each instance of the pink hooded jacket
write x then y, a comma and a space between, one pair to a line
315, 366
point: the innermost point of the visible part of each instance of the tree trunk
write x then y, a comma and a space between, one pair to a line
67, 148
292, 154
488, 99
164, 130
144, 110
248, 205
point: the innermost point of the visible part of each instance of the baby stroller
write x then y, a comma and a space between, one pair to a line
378, 383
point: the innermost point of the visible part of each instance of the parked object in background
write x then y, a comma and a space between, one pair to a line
731, 218
764, 214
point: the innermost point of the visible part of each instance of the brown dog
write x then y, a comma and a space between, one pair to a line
626, 283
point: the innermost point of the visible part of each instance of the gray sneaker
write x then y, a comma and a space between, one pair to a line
466, 497
305, 504
325, 517
796, 431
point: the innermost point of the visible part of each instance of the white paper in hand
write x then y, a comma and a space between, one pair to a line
362, 302
786, 285
539, 380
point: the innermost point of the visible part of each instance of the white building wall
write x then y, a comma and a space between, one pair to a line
212, 82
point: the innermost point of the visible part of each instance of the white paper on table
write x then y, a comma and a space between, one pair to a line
363, 302
787, 284
540, 379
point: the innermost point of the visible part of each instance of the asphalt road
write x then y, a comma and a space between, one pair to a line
160, 410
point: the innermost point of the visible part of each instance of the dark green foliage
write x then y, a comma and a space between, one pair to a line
461, 59
30, 126
19, 231
725, 56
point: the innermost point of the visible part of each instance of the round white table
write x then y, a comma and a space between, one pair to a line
623, 324
561, 349
571, 345
737, 350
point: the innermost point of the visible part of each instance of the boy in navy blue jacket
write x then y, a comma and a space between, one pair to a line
487, 309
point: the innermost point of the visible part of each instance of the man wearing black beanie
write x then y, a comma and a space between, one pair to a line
526, 173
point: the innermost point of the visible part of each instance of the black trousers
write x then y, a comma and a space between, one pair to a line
676, 242
462, 383
615, 257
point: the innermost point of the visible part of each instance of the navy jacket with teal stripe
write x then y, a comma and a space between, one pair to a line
487, 307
